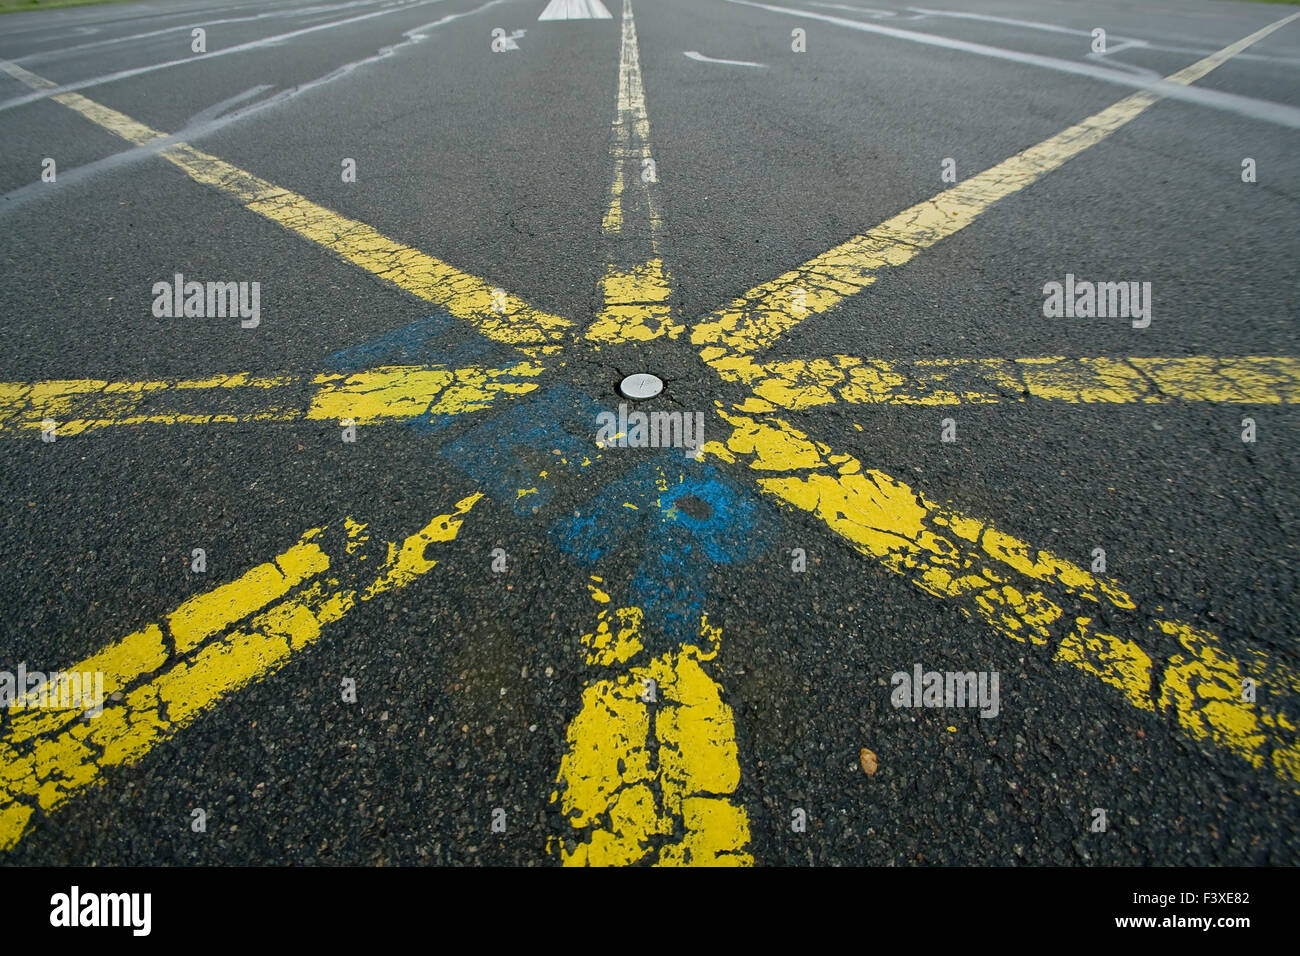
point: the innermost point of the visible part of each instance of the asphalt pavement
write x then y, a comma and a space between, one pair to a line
462, 629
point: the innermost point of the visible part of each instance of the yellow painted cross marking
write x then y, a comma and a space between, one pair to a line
167, 674
497, 315
396, 393
642, 783
652, 762
799, 384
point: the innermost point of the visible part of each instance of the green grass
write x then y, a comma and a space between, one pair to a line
17, 6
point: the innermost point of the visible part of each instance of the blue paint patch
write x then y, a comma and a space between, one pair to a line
684, 533
685, 522
508, 453
414, 344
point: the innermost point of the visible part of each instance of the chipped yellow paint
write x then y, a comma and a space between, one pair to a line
1119, 663
636, 306
1202, 684
358, 538
209, 613
647, 782
211, 646
497, 315
409, 392
390, 393
801, 384
1023, 593
597, 595
409, 559
637, 287
945, 553
757, 319
617, 636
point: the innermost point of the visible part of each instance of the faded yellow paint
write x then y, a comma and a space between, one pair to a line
651, 782
801, 384
757, 319
386, 394
636, 306
493, 313
636, 287
616, 638
612, 222
1119, 663
1022, 592
405, 393
220, 642
1203, 686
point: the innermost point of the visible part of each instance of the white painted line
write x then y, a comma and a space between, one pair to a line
262, 43
185, 27
1265, 110
1026, 24
694, 55
203, 124
868, 11
1123, 44
575, 10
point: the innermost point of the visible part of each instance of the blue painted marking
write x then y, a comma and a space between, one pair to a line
414, 344
508, 453
699, 523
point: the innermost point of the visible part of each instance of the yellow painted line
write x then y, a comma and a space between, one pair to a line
650, 782
636, 287
800, 384
410, 392
166, 675
1029, 595
631, 130
493, 312
635, 305
757, 319
388, 394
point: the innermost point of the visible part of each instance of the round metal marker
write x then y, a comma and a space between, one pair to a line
641, 386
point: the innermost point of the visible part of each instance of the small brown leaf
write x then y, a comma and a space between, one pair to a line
868, 761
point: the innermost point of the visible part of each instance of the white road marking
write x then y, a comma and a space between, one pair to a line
575, 10
271, 41
184, 27
868, 11
1265, 110
1123, 42
202, 125
694, 55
